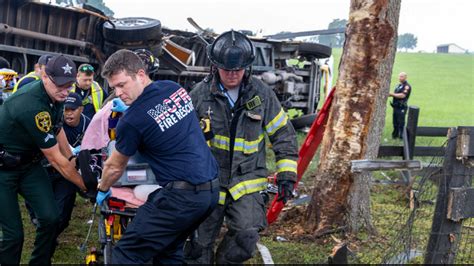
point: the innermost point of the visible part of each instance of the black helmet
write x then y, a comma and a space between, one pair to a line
231, 50
151, 62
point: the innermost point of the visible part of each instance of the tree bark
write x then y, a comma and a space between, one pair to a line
356, 120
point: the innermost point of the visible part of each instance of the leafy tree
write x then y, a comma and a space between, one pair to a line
407, 41
334, 40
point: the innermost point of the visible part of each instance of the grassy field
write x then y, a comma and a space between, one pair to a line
443, 88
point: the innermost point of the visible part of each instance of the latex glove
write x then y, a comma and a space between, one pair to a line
76, 150
101, 196
285, 190
118, 105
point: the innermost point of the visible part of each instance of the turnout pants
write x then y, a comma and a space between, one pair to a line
244, 218
161, 226
399, 114
32, 182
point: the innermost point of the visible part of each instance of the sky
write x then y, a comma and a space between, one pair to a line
433, 22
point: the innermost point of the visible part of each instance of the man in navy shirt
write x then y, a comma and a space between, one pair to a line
162, 125
75, 125
75, 122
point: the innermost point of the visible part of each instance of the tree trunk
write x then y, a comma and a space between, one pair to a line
356, 120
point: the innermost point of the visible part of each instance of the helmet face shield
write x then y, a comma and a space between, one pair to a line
231, 51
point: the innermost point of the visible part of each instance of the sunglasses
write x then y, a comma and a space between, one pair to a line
86, 68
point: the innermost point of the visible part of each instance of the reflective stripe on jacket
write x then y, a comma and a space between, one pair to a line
96, 93
247, 173
32, 74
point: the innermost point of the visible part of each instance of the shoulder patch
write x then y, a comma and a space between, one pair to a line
43, 121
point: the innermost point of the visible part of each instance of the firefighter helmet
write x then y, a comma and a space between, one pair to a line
231, 50
151, 62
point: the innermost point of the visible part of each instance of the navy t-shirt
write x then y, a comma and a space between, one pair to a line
74, 134
162, 125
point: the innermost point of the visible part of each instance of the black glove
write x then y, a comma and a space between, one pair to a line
285, 190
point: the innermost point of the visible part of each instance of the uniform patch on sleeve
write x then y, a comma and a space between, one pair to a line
43, 121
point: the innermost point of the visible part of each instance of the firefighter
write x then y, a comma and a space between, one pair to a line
161, 124
8, 79
30, 122
33, 75
90, 91
400, 105
241, 110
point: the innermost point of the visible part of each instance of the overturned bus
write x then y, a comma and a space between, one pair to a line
29, 29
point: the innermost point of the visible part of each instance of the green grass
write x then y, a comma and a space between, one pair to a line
443, 88
68, 251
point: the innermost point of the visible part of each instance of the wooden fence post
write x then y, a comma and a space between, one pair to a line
412, 125
409, 139
445, 231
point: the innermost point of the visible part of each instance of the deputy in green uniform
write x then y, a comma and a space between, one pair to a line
30, 126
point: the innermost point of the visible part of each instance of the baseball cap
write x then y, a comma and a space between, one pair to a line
61, 70
73, 101
43, 60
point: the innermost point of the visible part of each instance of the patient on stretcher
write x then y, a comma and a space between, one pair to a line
137, 181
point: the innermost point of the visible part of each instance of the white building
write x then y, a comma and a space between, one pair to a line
451, 48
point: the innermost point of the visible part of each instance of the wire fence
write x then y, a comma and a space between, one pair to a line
408, 228
465, 253
465, 250
411, 222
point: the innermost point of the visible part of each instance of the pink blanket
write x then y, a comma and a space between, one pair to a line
126, 194
97, 135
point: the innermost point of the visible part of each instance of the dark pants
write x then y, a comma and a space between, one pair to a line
162, 225
65, 197
244, 218
399, 114
32, 182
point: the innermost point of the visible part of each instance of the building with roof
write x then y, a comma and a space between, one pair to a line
450, 48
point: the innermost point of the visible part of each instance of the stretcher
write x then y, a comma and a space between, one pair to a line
115, 214
128, 194
113, 221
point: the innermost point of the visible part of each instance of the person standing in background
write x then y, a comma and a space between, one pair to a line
91, 93
400, 105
